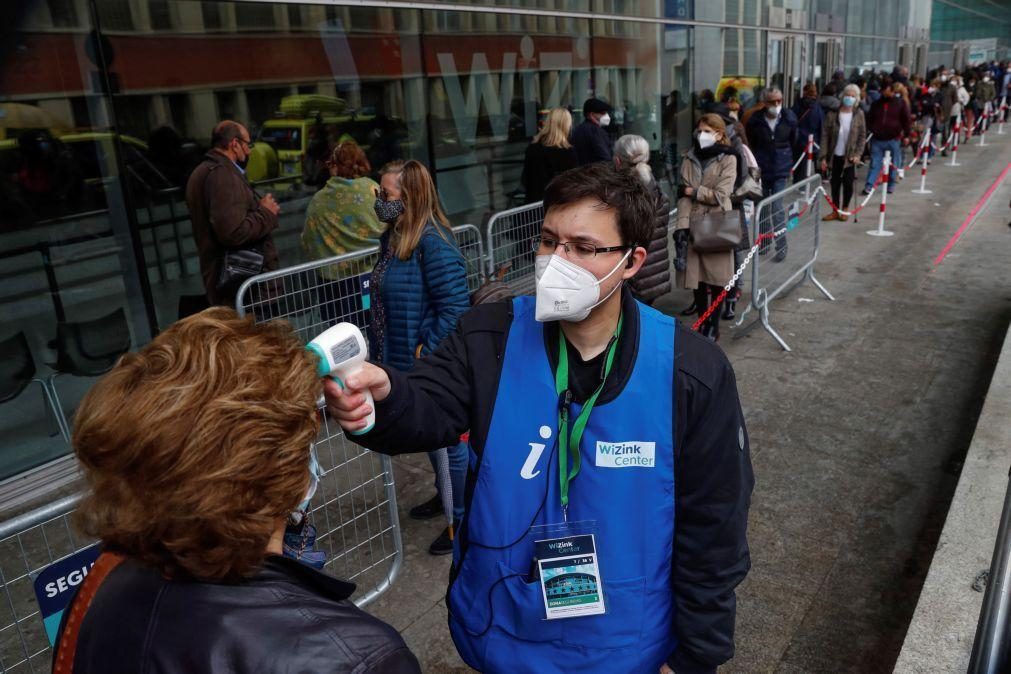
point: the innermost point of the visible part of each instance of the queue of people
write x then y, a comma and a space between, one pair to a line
572, 368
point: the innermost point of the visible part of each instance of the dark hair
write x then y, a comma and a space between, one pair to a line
729, 94
620, 191
224, 133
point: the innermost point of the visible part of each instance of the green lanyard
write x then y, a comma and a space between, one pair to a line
570, 444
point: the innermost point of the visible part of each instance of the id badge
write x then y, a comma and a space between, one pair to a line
570, 576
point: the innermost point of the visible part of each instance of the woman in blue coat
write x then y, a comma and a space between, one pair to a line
419, 290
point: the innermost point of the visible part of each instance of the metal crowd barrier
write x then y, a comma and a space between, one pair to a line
355, 509
770, 278
28, 544
509, 236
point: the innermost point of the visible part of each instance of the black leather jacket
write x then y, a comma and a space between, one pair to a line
286, 618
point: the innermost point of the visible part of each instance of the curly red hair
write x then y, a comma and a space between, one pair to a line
196, 447
349, 161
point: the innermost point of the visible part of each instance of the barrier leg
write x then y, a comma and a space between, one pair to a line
923, 170
768, 328
881, 231
818, 285
1001, 116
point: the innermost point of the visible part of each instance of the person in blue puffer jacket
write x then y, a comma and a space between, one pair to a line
772, 133
419, 291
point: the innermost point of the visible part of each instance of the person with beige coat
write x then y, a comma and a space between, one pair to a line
708, 175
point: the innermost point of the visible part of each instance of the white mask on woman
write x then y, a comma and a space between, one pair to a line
566, 291
706, 139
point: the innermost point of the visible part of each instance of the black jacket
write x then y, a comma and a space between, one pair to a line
455, 389
286, 618
773, 151
592, 143
541, 164
653, 279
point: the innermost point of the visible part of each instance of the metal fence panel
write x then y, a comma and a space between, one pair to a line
355, 507
788, 260
28, 544
509, 237
468, 237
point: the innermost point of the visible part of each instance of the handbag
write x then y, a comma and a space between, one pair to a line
237, 265
716, 231
748, 189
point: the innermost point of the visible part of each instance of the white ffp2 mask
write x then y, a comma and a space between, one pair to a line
605, 120
706, 139
566, 291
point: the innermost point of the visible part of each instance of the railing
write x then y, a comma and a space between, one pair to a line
993, 632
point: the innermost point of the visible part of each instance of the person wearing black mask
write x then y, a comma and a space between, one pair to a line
226, 212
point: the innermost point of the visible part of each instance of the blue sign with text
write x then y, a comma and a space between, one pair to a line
57, 584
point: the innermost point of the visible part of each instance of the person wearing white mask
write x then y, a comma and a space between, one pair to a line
842, 143
590, 140
708, 175
772, 137
598, 425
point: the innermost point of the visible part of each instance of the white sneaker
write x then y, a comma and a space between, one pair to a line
902, 174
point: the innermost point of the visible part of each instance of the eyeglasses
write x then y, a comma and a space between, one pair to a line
248, 143
545, 245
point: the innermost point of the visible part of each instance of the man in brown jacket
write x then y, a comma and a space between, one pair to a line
226, 212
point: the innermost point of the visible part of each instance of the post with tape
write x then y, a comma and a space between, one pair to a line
1002, 114
984, 124
881, 231
924, 153
955, 135
811, 164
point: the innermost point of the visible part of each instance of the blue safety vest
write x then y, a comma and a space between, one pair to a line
497, 615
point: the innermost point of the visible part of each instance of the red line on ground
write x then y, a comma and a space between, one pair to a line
972, 215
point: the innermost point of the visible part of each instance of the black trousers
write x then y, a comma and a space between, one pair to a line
704, 295
842, 177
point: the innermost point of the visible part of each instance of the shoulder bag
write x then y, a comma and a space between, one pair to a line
716, 231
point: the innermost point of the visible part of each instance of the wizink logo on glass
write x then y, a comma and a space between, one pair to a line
628, 454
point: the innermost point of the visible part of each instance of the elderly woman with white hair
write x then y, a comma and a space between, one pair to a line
842, 144
631, 153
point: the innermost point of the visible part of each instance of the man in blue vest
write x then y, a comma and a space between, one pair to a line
610, 475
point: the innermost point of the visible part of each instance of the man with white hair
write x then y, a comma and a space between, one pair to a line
771, 136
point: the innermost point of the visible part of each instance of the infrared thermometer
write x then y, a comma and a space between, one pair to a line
342, 350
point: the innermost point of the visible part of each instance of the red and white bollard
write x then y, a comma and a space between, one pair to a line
885, 173
986, 123
810, 163
954, 148
1001, 116
925, 151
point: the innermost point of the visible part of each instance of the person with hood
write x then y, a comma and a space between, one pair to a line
589, 138
986, 93
809, 123
772, 134
631, 153
829, 100
708, 177
842, 143
728, 106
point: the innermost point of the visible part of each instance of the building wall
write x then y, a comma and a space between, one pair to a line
459, 88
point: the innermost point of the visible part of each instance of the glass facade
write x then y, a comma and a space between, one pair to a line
107, 105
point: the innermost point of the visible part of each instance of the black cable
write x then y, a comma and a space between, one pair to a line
544, 499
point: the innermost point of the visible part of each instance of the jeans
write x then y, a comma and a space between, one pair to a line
878, 149
458, 461
774, 218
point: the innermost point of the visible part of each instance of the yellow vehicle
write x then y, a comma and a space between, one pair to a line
299, 122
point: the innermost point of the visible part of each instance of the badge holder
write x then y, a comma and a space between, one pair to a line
567, 567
